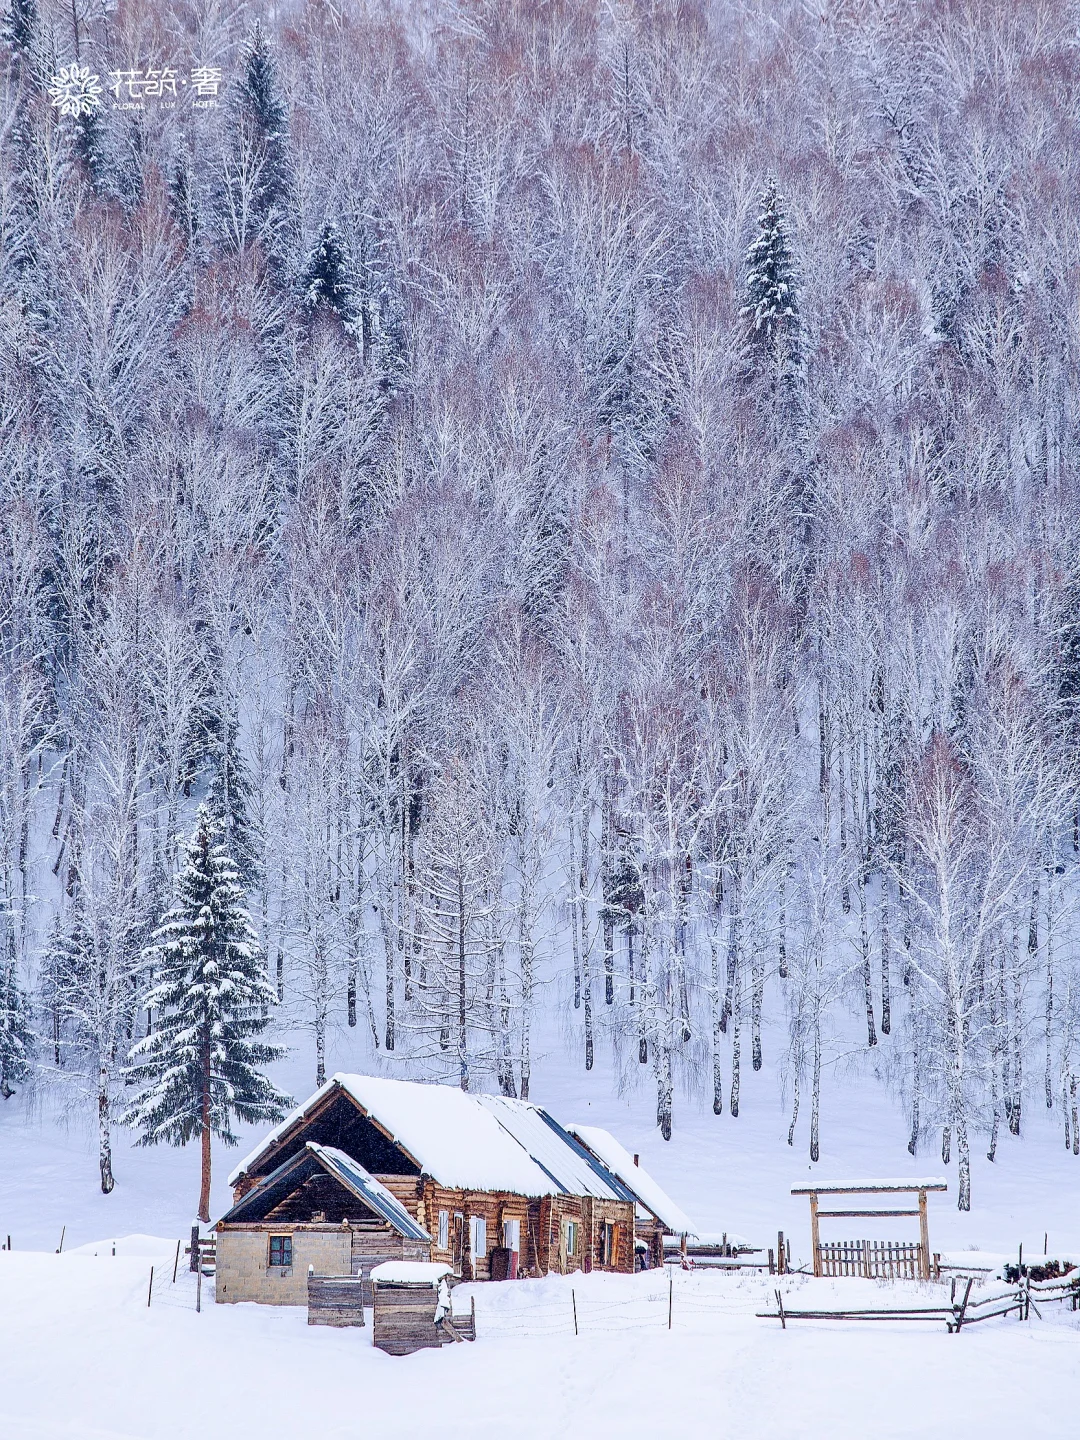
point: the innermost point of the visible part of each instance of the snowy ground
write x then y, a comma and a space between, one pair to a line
83, 1358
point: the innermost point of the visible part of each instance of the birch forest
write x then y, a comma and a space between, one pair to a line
586, 493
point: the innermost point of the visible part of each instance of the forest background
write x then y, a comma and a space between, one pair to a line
586, 493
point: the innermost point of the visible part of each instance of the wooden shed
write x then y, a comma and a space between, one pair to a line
413, 1309
319, 1212
496, 1186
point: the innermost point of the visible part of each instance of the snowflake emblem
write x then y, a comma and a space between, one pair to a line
75, 90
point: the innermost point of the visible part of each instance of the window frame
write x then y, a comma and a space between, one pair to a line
478, 1236
285, 1247
511, 1228
571, 1238
444, 1230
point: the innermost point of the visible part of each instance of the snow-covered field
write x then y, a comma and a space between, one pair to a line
83, 1358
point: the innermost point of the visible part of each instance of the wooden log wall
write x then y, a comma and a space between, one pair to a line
404, 1318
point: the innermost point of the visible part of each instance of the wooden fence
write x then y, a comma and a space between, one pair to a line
335, 1300
874, 1259
960, 1312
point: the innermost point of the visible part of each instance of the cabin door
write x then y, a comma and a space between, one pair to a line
458, 1254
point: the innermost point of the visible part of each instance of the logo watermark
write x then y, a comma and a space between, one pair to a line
76, 90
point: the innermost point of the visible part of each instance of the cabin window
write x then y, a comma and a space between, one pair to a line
444, 1230
478, 1236
280, 1250
512, 1235
609, 1245
571, 1237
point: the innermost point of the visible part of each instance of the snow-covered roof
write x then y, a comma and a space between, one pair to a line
467, 1141
347, 1171
355, 1178
574, 1171
409, 1272
618, 1160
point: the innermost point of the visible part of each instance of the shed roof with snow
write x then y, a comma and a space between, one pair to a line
349, 1173
620, 1163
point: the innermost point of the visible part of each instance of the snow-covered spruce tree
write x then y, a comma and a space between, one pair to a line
258, 177
230, 801
770, 308
201, 1065
19, 28
326, 283
16, 1035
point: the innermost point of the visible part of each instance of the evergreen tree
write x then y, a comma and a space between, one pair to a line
202, 1063
91, 147
16, 1036
326, 281
261, 167
61, 974
229, 800
771, 308
19, 29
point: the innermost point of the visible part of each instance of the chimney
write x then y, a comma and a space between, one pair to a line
637, 1160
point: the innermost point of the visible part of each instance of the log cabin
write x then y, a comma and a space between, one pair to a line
656, 1214
369, 1170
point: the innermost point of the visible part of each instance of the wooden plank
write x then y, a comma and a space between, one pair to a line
897, 1188
863, 1214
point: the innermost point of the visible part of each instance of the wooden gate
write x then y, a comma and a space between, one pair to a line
884, 1259
875, 1259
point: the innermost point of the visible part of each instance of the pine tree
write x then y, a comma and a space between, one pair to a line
326, 281
202, 1064
19, 27
229, 800
16, 1036
91, 147
261, 172
771, 309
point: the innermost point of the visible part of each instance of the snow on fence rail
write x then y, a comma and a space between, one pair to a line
958, 1313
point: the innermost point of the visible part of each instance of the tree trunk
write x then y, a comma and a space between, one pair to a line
794, 1107
886, 985
736, 1046
815, 1092
1017, 1028
586, 936
386, 921
204, 1188
864, 944
1048, 1079
575, 904
462, 997
718, 1079
916, 1086
104, 1135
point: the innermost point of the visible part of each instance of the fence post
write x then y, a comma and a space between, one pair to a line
924, 1239
151, 1289
815, 1233
176, 1262
195, 1246
198, 1290
670, 1296
573, 1301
